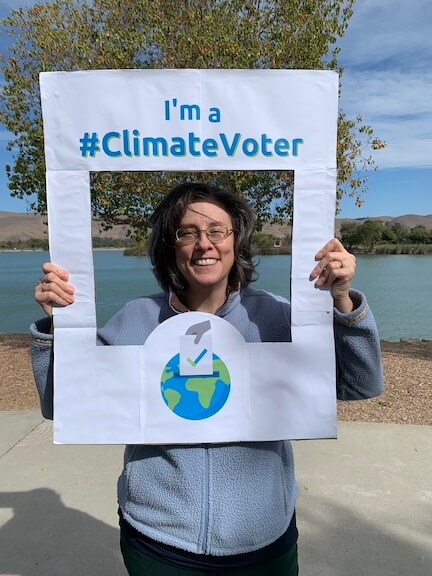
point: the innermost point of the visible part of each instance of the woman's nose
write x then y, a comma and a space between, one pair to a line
202, 240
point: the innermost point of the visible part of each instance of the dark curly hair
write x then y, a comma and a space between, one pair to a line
165, 221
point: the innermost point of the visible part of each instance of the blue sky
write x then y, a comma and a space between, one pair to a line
386, 54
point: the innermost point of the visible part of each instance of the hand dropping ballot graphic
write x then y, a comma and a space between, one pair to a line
195, 383
200, 390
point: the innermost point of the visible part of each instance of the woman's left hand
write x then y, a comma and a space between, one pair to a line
335, 270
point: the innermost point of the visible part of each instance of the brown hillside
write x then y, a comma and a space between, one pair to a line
17, 226
25, 226
411, 220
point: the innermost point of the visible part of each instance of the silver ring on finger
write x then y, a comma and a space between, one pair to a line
43, 286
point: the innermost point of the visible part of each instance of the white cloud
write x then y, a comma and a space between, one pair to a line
398, 106
382, 30
392, 93
404, 150
388, 80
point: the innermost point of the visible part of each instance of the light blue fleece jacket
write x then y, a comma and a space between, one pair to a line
220, 499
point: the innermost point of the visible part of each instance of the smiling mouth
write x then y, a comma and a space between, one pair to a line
204, 261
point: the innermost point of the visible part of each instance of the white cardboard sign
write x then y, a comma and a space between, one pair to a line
174, 389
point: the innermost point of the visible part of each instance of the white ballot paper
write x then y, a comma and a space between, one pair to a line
195, 379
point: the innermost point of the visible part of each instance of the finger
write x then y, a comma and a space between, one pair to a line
332, 254
335, 272
47, 297
323, 278
54, 275
343, 260
338, 272
333, 245
329, 252
51, 294
337, 261
50, 267
327, 265
51, 279
51, 289
319, 269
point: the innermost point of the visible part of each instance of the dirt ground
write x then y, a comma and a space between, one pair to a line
407, 398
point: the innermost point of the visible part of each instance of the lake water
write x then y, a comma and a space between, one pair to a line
398, 288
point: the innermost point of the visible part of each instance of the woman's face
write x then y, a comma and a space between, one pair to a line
203, 264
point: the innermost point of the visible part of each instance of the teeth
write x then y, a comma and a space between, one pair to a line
205, 261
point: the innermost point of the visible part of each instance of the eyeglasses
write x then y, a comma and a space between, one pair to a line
216, 233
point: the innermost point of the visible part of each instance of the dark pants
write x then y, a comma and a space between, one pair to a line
138, 564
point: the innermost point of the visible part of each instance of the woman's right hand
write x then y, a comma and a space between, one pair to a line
53, 289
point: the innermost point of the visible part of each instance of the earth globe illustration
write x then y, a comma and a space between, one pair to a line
195, 397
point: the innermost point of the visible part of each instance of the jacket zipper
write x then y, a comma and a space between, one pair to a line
206, 498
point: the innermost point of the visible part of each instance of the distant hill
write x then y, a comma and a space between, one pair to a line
16, 226
408, 220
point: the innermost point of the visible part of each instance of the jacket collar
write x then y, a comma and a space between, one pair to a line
232, 300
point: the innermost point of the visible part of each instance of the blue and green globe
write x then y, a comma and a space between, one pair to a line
195, 397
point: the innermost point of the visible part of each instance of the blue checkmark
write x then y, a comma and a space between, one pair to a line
198, 358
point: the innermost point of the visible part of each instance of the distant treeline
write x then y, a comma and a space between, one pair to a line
370, 236
42, 243
374, 236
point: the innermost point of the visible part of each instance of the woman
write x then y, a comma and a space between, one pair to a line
220, 508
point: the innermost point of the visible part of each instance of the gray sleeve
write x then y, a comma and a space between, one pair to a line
358, 352
42, 359
42, 364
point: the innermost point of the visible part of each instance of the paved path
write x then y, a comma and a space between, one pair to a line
365, 502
